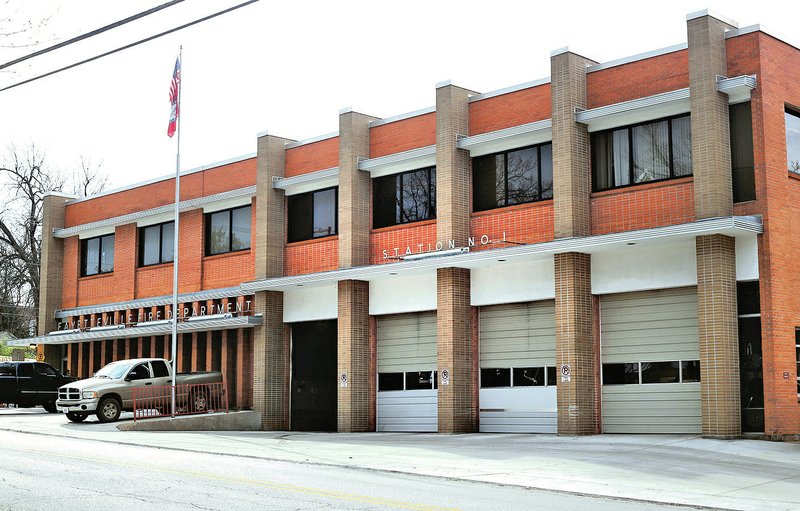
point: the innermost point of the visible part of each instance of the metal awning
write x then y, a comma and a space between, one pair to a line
127, 332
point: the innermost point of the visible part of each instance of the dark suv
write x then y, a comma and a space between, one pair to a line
27, 384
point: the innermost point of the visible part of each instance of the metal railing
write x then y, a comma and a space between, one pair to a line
190, 399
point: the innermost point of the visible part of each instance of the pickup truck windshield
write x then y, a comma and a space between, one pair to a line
115, 370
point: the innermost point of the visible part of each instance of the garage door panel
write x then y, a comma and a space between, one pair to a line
652, 326
407, 343
518, 336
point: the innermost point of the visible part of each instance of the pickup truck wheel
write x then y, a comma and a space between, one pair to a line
109, 410
199, 401
76, 417
50, 407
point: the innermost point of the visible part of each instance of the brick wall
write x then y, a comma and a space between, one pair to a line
403, 135
306, 158
312, 256
401, 237
200, 184
642, 78
512, 109
643, 206
525, 223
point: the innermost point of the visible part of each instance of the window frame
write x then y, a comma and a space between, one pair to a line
640, 379
160, 244
404, 375
549, 373
311, 213
629, 128
505, 154
207, 230
100, 238
398, 178
787, 110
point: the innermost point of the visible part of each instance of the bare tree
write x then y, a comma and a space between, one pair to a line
26, 179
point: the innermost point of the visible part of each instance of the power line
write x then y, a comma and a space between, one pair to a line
131, 45
90, 34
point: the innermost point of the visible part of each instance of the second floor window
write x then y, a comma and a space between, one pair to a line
312, 215
228, 230
792, 141
652, 151
97, 255
512, 177
156, 244
404, 198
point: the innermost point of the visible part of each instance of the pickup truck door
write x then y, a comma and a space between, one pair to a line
139, 376
26, 385
46, 380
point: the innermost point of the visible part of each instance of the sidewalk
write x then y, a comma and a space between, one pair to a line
741, 474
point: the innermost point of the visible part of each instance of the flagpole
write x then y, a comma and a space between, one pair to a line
175, 252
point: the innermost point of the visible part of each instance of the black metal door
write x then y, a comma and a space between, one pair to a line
314, 390
751, 375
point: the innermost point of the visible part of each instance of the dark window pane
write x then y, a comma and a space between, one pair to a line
107, 254
167, 242
159, 368
151, 238
660, 372
620, 374
415, 204
529, 376
682, 146
390, 381
25, 371
500, 377
488, 182
219, 233
384, 190
552, 376
300, 221
546, 163
610, 159
140, 372
92, 257
44, 369
523, 175
240, 234
420, 380
748, 298
650, 152
325, 213
690, 369
741, 125
793, 141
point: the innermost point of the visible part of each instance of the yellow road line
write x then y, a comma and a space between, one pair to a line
351, 497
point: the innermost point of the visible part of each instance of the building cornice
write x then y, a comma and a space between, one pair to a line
307, 182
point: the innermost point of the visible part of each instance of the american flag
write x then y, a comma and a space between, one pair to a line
174, 93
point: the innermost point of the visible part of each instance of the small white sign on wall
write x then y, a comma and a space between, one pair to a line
343, 380
566, 373
445, 376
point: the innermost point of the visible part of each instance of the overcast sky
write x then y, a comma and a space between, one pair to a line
289, 67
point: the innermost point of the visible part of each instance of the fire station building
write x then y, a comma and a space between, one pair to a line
604, 250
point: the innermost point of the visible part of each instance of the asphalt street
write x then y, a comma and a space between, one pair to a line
43, 472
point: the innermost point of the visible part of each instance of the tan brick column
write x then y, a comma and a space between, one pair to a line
354, 184
577, 413
50, 271
457, 413
716, 254
270, 351
452, 165
354, 225
455, 343
354, 356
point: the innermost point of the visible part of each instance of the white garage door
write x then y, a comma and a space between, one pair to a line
407, 393
650, 362
517, 361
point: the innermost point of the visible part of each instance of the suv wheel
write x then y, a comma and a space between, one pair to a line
76, 417
50, 407
109, 410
